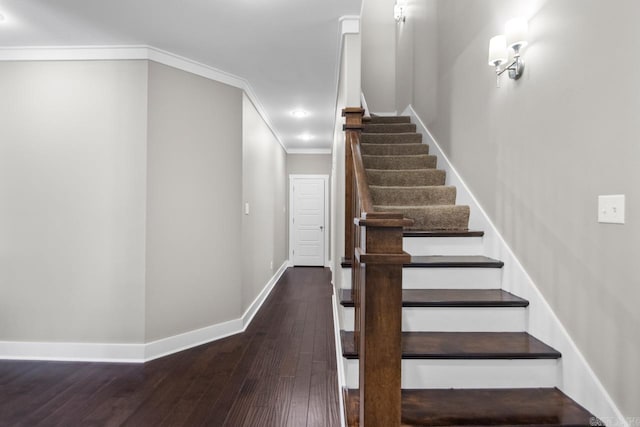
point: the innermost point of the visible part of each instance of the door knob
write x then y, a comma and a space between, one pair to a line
322, 227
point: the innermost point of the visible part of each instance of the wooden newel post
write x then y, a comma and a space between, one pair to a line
353, 123
380, 346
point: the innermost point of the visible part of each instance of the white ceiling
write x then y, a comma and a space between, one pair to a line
286, 49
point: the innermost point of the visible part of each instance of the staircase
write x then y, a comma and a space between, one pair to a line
403, 176
467, 358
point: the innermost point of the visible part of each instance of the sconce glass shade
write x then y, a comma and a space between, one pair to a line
398, 13
517, 31
497, 50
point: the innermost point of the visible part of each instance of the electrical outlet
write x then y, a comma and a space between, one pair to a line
611, 209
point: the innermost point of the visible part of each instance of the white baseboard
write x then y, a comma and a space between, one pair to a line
72, 352
137, 353
578, 379
251, 311
342, 381
166, 346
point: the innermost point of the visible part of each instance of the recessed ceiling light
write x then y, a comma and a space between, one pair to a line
299, 114
306, 137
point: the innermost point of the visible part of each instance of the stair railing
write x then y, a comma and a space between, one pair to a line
374, 245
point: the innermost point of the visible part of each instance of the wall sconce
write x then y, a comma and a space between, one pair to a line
516, 39
398, 13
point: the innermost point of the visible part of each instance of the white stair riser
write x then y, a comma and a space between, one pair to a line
443, 245
451, 278
454, 319
442, 278
514, 373
345, 277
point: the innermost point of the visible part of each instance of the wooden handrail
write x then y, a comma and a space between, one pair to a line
352, 126
360, 174
373, 246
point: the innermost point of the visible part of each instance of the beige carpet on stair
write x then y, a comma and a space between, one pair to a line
403, 176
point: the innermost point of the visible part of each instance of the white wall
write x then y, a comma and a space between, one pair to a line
72, 201
537, 152
264, 187
378, 55
193, 202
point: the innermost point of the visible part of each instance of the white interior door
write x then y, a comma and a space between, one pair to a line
307, 221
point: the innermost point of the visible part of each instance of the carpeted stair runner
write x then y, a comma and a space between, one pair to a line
408, 196
389, 127
403, 176
394, 149
406, 178
418, 161
392, 138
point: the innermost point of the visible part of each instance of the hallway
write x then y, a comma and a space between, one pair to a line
280, 372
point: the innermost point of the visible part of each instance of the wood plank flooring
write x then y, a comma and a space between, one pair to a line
280, 372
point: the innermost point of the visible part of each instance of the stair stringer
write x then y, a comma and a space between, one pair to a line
577, 379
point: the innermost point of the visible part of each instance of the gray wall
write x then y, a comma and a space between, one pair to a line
537, 153
416, 69
72, 201
378, 55
318, 164
193, 202
121, 189
264, 187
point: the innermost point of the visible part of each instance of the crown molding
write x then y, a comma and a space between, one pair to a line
138, 52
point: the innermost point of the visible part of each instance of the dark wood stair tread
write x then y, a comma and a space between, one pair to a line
450, 298
483, 407
445, 261
449, 261
453, 233
463, 345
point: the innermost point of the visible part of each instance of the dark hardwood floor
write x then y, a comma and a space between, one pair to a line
280, 372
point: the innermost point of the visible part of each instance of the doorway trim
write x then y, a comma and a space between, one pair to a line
292, 177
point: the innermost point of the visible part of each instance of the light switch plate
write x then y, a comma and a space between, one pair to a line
246, 208
611, 209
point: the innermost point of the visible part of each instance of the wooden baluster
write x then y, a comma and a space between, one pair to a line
356, 269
